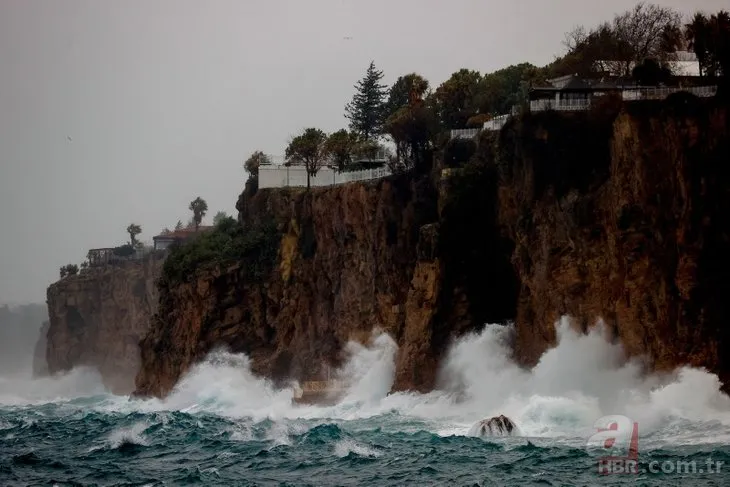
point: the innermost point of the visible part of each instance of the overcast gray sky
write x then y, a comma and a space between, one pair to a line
114, 112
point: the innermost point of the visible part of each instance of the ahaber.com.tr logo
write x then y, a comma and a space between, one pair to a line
618, 437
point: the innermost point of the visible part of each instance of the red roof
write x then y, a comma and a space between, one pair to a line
183, 233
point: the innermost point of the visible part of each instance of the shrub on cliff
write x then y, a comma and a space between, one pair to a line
69, 270
252, 164
256, 247
124, 250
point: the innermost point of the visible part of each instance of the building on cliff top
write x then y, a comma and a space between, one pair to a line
164, 240
573, 93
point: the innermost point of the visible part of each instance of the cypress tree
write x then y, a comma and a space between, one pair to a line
367, 108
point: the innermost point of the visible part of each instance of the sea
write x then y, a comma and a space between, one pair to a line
584, 416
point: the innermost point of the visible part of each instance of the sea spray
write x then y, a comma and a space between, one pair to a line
224, 384
79, 382
370, 368
579, 380
223, 423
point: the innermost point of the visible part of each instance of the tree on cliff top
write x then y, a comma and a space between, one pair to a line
219, 217
366, 110
645, 32
412, 128
404, 91
133, 230
254, 161
69, 270
179, 225
199, 207
340, 146
499, 91
308, 149
709, 38
454, 101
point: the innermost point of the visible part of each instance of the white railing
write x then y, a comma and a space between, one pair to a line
627, 94
497, 122
661, 93
273, 176
569, 105
465, 133
381, 155
560, 105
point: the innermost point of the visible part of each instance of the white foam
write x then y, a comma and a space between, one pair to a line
581, 379
370, 370
346, 446
130, 435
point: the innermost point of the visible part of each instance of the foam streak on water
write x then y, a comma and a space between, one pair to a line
222, 424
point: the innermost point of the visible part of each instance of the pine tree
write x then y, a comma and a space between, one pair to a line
367, 108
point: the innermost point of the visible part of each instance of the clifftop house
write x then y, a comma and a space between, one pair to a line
574, 93
571, 92
165, 239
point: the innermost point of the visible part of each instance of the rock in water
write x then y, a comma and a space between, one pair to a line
497, 426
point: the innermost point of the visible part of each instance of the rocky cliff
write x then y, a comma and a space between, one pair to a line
613, 214
98, 317
623, 217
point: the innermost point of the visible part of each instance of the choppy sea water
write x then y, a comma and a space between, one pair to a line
223, 426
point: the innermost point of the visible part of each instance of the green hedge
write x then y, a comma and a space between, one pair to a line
256, 247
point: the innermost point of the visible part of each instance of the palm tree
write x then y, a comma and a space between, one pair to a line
199, 207
133, 230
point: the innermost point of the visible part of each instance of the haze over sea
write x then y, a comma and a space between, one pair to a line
224, 426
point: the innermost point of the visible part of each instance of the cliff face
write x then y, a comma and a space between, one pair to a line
613, 214
98, 317
626, 222
349, 259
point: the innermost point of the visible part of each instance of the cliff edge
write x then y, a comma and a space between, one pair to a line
615, 214
623, 217
98, 317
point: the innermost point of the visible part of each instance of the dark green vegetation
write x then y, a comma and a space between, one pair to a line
199, 208
638, 46
220, 217
309, 150
251, 165
709, 38
366, 111
125, 250
255, 247
68, 270
133, 230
